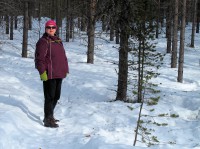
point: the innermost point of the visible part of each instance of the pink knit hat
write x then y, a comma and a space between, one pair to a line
50, 22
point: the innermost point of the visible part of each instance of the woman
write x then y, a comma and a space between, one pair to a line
52, 64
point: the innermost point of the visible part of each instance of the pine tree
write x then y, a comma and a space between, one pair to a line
146, 59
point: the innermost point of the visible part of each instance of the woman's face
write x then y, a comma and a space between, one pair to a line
51, 30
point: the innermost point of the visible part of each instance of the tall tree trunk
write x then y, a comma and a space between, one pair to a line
25, 30
123, 52
194, 6
141, 59
39, 17
71, 27
198, 13
16, 22
53, 10
197, 25
123, 66
139, 97
188, 11
58, 17
30, 14
111, 30
68, 28
83, 14
175, 36
79, 22
158, 19
83, 24
103, 20
72, 22
91, 31
169, 27
67, 20
11, 27
7, 24
30, 23
182, 41
117, 34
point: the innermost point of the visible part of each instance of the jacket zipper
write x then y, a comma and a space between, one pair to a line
51, 61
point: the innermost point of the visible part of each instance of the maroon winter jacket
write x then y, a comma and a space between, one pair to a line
50, 56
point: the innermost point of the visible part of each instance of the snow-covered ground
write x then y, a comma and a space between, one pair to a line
87, 119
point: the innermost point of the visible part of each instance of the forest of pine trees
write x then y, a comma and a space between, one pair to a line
129, 22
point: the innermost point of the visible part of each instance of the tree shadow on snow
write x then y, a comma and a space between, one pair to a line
19, 104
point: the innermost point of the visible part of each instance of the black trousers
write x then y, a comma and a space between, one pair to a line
52, 91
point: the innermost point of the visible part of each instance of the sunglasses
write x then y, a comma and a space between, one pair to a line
51, 27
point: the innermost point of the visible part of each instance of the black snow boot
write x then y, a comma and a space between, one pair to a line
55, 120
50, 122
